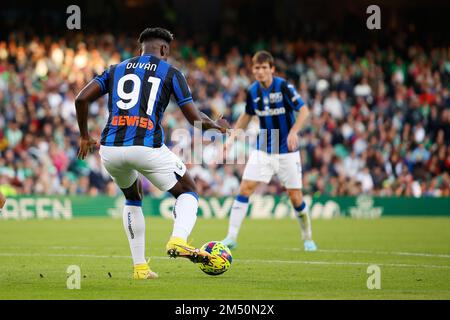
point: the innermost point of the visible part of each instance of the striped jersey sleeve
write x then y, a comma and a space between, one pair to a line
180, 88
291, 96
103, 81
249, 109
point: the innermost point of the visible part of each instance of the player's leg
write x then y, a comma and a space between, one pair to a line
290, 175
185, 208
303, 217
239, 212
133, 218
134, 226
185, 216
168, 173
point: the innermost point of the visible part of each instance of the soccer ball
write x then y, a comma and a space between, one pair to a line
220, 261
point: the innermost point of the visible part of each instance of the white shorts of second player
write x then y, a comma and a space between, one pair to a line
159, 165
261, 166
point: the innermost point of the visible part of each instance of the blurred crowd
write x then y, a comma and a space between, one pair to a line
379, 125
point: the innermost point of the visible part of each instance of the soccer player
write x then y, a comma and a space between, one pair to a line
132, 141
274, 101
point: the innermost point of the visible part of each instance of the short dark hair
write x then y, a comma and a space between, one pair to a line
263, 56
155, 33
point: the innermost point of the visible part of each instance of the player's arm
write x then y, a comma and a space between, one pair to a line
92, 91
194, 116
241, 123
302, 116
294, 100
89, 93
184, 99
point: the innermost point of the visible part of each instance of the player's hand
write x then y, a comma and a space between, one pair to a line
223, 124
292, 141
86, 145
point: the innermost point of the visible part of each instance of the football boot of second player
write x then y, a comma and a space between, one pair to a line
230, 243
310, 245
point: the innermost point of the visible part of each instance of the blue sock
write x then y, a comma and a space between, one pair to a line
242, 198
301, 207
136, 203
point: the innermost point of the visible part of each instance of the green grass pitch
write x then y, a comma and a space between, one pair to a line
412, 253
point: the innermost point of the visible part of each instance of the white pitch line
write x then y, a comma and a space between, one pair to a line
3, 254
345, 263
422, 254
50, 247
338, 263
396, 253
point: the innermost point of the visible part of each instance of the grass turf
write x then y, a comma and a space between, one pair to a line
412, 253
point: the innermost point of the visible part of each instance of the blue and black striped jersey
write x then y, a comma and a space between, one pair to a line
139, 91
275, 108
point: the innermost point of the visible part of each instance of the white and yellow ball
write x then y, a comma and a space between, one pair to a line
220, 261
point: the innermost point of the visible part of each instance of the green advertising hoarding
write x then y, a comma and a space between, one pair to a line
262, 207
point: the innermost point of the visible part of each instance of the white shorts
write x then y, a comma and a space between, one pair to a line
261, 166
159, 165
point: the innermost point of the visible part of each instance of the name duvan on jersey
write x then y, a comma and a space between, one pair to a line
146, 66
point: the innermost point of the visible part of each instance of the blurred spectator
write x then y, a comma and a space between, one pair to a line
380, 121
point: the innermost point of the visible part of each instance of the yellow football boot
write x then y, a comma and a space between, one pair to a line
142, 271
178, 247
